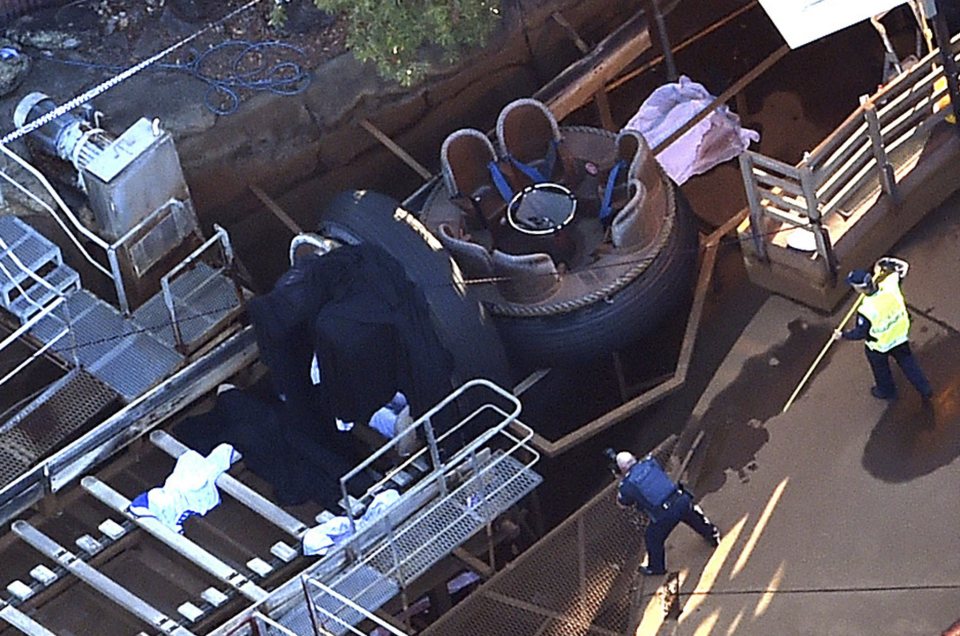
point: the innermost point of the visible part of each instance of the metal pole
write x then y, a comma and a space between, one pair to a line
946, 54
661, 28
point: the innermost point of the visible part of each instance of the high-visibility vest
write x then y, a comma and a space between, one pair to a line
887, 313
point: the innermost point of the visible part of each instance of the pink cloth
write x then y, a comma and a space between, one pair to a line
715, 139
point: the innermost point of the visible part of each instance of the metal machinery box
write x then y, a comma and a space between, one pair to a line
135, 175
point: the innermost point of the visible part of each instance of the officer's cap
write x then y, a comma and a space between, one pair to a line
860, 279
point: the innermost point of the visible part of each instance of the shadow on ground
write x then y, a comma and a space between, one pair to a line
913, 439
736, 418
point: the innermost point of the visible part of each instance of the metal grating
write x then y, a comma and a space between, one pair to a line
452, 520
202, 298
42, 426
579, 579
112, 348
363, 585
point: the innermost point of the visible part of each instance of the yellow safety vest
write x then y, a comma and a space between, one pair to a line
887, 313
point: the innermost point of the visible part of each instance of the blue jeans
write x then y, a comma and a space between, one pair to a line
682, 509
880, 365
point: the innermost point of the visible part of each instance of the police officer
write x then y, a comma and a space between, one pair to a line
646, 486
883, 325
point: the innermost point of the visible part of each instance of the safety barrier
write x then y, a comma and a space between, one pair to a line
471, 480
865, 156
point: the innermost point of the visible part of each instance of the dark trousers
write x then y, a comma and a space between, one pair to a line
880, 365
683, 509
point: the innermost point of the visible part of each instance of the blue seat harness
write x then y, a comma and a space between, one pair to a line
500, 180
606, 205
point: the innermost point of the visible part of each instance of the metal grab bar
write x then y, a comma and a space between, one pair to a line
219, 236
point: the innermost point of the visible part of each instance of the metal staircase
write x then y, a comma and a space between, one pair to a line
111, 358
32, 271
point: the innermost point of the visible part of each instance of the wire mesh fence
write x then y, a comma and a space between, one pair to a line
580, 579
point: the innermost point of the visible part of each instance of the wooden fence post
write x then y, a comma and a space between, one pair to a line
820, 234
888, 180
753, 200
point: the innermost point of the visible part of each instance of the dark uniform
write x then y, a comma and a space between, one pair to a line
647, 487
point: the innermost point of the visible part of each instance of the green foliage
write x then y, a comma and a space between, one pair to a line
402, 37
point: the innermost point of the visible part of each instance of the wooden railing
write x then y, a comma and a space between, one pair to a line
851, 165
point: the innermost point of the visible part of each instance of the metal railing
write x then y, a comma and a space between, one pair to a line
425, 424
42, 312
467, 486
321, 616
861, 158
25, 328
220, 238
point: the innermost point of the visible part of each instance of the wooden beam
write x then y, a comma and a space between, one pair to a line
277, 211
581, 81
737, 86
393, 147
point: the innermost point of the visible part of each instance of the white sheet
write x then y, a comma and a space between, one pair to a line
716, 139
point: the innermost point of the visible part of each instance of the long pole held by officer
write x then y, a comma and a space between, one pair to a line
647, 486
884, 325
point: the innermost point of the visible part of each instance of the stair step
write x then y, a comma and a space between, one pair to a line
30, 248
113, 348
62, 280
203, 297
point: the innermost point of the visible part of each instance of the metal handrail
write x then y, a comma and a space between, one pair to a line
519, 443
307, 580
63, 206
26, 327
433, 442
221, 237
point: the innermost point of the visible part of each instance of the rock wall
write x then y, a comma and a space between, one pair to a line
313, 140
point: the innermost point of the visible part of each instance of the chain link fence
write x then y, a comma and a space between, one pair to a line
580, 579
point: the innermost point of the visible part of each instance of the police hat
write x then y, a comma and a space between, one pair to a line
860, 279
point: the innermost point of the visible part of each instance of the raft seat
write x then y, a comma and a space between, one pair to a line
525, 278
631, 228
465, 159
474, 260
625, 197
530, 142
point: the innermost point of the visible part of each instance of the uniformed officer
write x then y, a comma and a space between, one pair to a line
883, 324
646, 486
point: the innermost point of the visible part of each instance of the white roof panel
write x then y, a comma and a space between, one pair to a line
803, 21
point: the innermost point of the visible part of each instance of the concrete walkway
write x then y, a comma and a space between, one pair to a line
841, 515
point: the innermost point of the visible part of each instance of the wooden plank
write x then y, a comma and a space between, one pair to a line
237, 489
99, 581
275, 208
784, 186
781, 202
179, 543
395, 148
